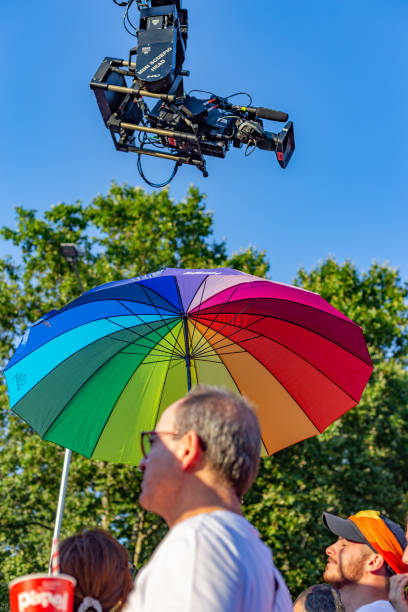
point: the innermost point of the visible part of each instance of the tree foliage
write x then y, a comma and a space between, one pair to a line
124, 234
358, 462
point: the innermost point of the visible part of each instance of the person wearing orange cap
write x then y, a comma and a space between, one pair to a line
368, 551
398, 586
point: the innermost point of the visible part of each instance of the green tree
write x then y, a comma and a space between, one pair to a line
124, 233
360, 461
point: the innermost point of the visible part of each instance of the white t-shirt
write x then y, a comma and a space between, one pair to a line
212, 562
377, 606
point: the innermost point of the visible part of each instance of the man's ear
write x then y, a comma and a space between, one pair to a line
190, 450
375, 563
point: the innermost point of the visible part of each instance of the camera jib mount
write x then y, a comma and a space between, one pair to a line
179, 126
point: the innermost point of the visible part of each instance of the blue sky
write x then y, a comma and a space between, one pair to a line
338, 67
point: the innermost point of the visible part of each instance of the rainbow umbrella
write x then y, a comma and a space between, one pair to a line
92, 375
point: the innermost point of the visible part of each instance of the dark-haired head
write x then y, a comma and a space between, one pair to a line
101, 568
319, 598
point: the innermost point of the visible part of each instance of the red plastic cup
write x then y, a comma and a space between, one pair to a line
42, 593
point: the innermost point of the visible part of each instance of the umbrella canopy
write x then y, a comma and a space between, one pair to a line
92, 375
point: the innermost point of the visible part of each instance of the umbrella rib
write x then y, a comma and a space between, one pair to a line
181, 308
227, 338
164, 321
154, 354
239, 329
204, 354
194, 365
155, 351
223, 326
152, 346
231, 322
176, 363
229, 372
210, 361
131, 330
141, 346
236, 286
203, 282
219, 342
162, 389
153, 330
217, 314
264, 445
211, 329
140, 317
210, 347
151, 290
202, 288
207, 360
192, 359
145, 362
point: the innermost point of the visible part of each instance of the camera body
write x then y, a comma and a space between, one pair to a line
178, 126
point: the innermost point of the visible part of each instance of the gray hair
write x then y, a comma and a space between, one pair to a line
228, 429
320, 598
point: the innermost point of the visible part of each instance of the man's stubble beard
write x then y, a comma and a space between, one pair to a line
339, 576
333, 578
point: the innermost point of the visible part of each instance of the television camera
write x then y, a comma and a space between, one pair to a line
179, 127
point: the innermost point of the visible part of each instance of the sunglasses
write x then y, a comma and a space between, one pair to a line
148, 438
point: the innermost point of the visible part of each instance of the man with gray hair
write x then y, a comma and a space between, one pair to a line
197, 464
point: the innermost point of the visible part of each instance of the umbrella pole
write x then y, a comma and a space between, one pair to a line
60, 507
188, 357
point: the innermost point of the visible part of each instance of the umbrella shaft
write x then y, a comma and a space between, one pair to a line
61, 501
188, 358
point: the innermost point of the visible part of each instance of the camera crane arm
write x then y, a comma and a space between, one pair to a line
189, 128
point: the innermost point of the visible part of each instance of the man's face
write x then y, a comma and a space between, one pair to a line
345, 562
161, 468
